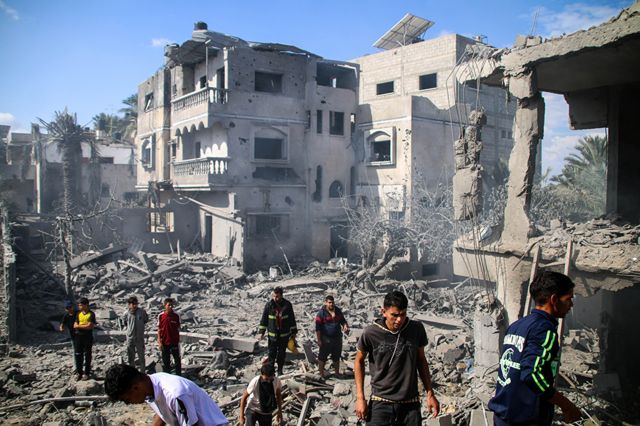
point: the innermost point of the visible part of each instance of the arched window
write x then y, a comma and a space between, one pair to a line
146, 152
336, 190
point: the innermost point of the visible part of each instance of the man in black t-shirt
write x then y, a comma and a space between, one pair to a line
394, 346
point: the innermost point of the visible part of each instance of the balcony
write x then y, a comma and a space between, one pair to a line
200, 173
195, 107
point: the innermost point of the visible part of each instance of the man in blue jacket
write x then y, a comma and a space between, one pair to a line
529, 362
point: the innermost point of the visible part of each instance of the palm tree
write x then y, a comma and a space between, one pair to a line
585, 173
130, 112
110, 123
68, 136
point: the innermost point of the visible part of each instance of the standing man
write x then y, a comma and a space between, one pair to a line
83, 325
262, 397
530, 358
169, 337
175, 400
279, 321
330, 323
134, 320
66, 322
394, 345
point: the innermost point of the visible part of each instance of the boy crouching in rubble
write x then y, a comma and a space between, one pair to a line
264, 395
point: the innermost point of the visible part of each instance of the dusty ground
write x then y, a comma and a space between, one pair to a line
213, 303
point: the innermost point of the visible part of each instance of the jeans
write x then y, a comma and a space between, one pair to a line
392, 414
167, 352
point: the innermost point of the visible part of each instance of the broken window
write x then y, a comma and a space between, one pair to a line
203, 81
269, 149
317, 195
336, 123
268, 225
146, 152
220, 79
428, 81
336, 75
380, 146
319, 121
381, 150
268, 82
148, 101
160, 222
384, 88
335, 190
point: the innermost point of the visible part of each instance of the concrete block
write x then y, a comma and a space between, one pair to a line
440, 421
236, 344
481, 417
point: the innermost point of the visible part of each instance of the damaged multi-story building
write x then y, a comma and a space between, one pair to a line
598, 73
250, 148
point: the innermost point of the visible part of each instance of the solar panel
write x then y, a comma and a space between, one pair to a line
407, 31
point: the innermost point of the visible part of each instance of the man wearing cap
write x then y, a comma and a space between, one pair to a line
330, 324
67, 323
134, 321
279, 322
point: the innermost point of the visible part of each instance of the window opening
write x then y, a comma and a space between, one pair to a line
336, 123
269, 149
335, 190
160, 222
148, 101
428, 81
384, 88
196, 153
268, 82
381, 150
317, 195
319, 121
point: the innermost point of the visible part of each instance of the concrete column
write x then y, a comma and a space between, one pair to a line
528, 129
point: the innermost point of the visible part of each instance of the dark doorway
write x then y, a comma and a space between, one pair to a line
339, 237
208, 230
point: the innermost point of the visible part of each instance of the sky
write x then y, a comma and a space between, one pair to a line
89, 55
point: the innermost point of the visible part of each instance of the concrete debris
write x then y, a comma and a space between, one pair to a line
220, 308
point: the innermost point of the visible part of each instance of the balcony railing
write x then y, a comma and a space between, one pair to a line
200, 172
211, 95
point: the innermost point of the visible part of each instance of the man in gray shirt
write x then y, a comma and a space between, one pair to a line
134, 320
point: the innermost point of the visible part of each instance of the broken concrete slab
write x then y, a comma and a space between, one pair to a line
85, 259
236, 344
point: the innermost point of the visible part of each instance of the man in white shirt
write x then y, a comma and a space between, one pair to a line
175, 400
262, 397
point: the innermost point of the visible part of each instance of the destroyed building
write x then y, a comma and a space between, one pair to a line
248, 148
32, 168
597, 70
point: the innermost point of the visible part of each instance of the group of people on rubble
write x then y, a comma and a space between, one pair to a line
80, 323
394, 345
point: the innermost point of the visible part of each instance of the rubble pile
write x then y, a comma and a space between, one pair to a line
220, 308
600, 244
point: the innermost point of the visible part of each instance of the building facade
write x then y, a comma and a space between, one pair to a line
249, 149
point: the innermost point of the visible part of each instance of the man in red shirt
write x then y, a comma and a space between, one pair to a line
169, 337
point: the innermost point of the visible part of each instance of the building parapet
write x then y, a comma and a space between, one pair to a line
200, 172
